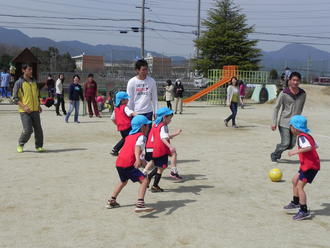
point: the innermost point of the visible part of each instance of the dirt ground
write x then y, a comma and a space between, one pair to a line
57, 199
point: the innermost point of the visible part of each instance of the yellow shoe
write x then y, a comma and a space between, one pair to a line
40, 149
19, 149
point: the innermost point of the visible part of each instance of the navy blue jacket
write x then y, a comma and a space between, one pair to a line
75, 92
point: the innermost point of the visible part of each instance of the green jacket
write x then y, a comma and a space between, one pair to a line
27, 93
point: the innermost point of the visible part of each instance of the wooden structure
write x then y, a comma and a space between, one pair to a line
25, 57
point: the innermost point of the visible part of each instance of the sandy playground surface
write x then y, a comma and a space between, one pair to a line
57, 199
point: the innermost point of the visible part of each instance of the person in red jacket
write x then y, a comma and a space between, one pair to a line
159, 141
309, 166
121, 117
90, 90
128, 162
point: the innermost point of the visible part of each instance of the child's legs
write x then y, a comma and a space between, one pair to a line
71, 107
143, 187
76, 112
149, 165
301, 192
118, 188
295, 180
173, 159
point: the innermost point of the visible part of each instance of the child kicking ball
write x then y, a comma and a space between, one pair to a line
128, 162
309, 166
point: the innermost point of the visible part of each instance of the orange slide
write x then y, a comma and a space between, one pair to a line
228, 73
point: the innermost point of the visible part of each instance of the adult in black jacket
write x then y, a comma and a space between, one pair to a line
178, 94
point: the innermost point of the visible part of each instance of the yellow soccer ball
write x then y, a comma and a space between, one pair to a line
275, 175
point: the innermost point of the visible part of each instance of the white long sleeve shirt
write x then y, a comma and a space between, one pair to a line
59, 86
143, 95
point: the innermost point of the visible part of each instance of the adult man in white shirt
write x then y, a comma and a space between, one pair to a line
142, 91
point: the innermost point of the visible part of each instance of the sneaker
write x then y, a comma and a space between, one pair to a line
291, 206
114, 153
40, 149
112, 204
77, 122
156, 189
226, 123
273, 158
19, 149
58, 114
140, 207
90, 116
175, 175
301, 215
99, 116
235, 126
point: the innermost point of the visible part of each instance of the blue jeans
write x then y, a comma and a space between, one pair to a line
233, 108
74, 105
4, 92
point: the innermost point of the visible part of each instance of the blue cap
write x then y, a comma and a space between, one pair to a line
137, 122
161, 113
299, 122
120, 96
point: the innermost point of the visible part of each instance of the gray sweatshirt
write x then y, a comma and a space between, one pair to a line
290, 105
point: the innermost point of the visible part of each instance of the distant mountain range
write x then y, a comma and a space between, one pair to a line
298, 57
110, 52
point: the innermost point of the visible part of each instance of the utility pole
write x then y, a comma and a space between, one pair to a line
143, 8
142, 28
198, 25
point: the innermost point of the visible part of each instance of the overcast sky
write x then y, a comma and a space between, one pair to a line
302, 17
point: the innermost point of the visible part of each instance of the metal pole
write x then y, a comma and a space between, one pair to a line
142, 28
198, 24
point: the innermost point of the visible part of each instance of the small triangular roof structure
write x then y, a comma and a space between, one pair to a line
26, 56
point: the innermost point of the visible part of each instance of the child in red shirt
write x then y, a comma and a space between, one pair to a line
159, 142
128, 162
121, 117
309, 166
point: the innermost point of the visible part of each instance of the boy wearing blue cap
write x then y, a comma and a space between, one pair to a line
159, 137
309, 166
128, 162
121, 117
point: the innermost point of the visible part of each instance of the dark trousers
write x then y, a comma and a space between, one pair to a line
288, 141
169, 104
91, 100
51, 92
31, 123
233, 108
120, 144
60, 101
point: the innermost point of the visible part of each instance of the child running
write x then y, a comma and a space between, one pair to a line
128, 162
159, 142
309, 166
121, 117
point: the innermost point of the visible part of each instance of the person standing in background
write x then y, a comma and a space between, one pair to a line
90, 89
75, 93
60, 95
50, 85
178, 94
5, 79
242, 92
169, 94
232, 101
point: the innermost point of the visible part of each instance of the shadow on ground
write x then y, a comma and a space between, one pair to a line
166, 206
187, 177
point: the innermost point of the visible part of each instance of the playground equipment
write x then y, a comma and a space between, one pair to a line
216, 92
227, 73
